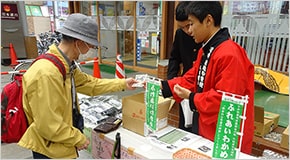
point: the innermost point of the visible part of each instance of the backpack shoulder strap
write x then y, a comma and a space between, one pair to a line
55, 60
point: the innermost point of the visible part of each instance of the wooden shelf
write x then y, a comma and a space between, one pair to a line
260, 144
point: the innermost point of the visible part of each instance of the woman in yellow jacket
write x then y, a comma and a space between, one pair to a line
48, 99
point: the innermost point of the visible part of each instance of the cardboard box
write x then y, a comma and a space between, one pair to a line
285, 138
31, 47
272, 116
262, 126
103, 146
134, 113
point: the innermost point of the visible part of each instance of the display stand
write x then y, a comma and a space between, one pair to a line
231, 119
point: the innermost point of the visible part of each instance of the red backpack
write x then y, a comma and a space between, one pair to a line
13, 119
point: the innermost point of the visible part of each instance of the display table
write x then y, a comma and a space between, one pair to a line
134, 146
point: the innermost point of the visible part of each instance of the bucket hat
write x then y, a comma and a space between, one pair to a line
81, 27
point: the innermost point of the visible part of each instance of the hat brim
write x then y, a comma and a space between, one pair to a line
78, 36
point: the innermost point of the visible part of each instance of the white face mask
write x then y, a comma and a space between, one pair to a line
87, 56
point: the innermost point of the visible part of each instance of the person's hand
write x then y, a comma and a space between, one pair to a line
130, 82
84, 146
144, 84
181, 91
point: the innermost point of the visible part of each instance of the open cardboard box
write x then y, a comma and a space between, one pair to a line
262, 125
134, 113
285, 138
272, 116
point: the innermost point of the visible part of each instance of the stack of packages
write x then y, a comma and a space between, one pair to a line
268, 154
97, 109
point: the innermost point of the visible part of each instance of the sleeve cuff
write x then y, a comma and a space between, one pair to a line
191, 102
166, 92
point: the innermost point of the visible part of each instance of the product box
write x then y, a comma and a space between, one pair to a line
285, 138
103, 146
272, 116
134, 113
262, 125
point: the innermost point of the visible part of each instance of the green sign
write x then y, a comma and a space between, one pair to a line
27, 10
229, 119
35, 11
151, 101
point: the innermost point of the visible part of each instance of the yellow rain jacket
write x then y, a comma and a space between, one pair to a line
47, 102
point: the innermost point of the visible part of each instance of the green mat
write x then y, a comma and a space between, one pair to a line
108, 68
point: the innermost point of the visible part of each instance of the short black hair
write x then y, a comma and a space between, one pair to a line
200, 9
180, 13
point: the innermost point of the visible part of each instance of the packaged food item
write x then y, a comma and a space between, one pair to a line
187, 153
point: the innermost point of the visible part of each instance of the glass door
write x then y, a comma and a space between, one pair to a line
125, 30
148, 20
116, 30
131, 29
108, 34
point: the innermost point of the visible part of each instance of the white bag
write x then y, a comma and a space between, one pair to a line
188, 114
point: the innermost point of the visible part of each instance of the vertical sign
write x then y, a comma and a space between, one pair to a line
228, 126
141, 9
138, 54
153, 43
151, 101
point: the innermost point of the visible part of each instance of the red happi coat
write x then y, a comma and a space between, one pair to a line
228, 70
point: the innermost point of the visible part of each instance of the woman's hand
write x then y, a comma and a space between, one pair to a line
181, 91
84, 146
130, 82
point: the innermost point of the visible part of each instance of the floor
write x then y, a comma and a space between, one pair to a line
146, 60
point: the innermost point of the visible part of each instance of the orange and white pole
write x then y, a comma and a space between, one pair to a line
13, 72
120, 71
